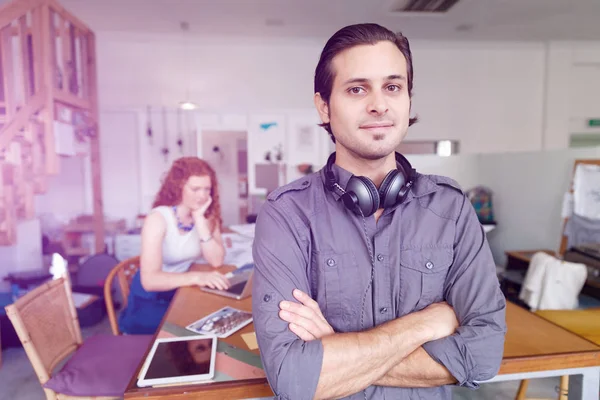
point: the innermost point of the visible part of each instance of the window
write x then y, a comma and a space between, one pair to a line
584, 140
442, 148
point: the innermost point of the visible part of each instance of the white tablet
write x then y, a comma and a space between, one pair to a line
180, 360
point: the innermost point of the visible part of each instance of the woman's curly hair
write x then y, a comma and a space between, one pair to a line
176, 178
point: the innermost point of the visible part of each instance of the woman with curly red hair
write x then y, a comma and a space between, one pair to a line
184, 224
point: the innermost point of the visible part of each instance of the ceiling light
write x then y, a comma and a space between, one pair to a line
188, 105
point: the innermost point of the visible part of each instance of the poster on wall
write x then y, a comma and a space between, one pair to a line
266, 144
309, 143
305, 137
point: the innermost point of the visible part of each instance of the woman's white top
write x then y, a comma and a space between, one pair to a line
179, 250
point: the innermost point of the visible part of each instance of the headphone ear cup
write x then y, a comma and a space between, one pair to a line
391, 187
365, 195
351, 202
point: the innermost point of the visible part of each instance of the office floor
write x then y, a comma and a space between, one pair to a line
18, 381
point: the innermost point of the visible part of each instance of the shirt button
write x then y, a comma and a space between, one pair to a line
379, 257
331, 262
267, 298
383, 310
429, 265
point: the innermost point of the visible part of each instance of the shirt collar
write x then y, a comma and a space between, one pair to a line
422, 186
341, 178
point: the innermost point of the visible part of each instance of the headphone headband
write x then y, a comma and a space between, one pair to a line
407, 168
329, 174
361, 195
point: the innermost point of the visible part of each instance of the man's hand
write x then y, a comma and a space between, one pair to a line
306, 319
441, 319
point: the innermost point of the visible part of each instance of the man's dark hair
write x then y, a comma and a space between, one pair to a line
351, 36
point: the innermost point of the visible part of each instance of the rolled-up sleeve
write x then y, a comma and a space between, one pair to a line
280, 252
474, 352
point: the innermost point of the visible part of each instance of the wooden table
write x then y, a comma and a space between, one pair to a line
537, 348
534, 348
189, 305
585, 323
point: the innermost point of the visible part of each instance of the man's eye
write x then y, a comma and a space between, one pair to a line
356, 90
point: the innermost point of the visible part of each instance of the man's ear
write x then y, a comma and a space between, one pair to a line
322, 108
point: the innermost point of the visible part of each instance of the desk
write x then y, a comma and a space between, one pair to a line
585, 323
189, 305
537, 348
534, 348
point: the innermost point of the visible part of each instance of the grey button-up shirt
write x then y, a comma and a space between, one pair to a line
429, 248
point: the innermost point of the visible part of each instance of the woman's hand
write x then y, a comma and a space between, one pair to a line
213, 280
198, 214
200, 220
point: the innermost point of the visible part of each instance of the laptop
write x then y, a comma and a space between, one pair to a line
241, 285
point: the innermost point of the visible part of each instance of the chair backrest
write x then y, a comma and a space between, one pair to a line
94, 270
45, 321
124, 273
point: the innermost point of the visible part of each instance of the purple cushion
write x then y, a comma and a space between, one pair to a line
102, 366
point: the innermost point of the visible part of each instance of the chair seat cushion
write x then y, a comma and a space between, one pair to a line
102, 366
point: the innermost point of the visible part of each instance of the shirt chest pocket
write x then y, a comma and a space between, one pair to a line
335, 283
423, 274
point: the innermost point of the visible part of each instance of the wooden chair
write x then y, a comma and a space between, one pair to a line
45, 320
563, 389
124, 273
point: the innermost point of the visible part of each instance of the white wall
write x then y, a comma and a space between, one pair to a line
65, 197
24, 256
572, 91
225, 74
492, 97
488, 95
120, 164
528, 194
462, 168
527, 187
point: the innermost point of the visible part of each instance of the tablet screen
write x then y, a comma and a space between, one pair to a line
180, 358
238, 288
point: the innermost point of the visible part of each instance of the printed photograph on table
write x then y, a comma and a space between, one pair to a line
222, 323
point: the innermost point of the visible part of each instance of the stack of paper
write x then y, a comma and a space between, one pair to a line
238, 250
245, 229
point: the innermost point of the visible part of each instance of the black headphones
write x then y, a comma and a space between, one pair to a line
361, 195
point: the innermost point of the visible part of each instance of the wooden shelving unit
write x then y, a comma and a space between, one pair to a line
47, 73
